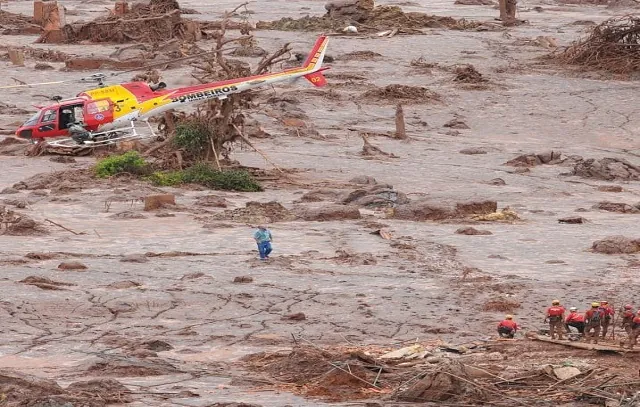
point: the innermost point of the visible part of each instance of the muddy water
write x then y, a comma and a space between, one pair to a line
212, 322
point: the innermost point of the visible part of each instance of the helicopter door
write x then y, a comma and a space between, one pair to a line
48, 125
98, 113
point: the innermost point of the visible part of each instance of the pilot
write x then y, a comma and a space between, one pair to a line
78, 133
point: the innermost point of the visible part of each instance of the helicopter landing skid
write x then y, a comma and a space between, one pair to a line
105, 138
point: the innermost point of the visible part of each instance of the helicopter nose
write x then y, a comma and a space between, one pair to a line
25, 133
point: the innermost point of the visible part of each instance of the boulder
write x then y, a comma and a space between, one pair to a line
618, 207
357, 10
472, 231
153, 202
72, 265
616, 245
607, 169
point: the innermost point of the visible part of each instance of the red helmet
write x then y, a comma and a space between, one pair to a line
628, 306
604, 302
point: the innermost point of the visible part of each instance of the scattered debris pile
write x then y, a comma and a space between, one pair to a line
491, 373
24, 390
402, 94
613, 46
468, 74
368, 19
16, 224
157, 21
375, 196
17, 24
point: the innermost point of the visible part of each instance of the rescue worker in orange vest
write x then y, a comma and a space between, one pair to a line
608, 312
635, 330
508, 327
555, 316
575, 320
627, 319
592, 320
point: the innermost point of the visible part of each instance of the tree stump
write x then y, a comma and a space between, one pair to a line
401, 132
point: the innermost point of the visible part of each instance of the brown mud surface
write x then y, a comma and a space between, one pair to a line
427, 241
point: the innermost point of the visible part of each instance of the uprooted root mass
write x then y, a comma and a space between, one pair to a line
613, 46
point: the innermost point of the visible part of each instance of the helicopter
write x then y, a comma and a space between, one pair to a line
108, 110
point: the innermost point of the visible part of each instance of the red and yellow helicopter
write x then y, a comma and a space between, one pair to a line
109, 108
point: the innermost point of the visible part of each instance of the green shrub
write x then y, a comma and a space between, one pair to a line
231, 180
129, 162
204, 174
193, 137
166, 179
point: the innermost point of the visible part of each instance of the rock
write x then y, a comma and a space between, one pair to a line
299, 316
18, 203
610, 188
497, 181
156, 345
9, 190
134, 258
243, 279
616, 245
474, 2
212, 201
448, 381
63, 159
549, 157
472, 231
357, 10
616, 207
364, 180
122, 285
42, 66
521, 170
320, 195
476, 207
403, 352
380, 195
330, 212
473, 151
428, 210
153, 202
572, 220
566, 372
127, 215
607, 169
72, 265
456, 124
192, 276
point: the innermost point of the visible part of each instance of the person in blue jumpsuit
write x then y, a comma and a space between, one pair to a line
263, 239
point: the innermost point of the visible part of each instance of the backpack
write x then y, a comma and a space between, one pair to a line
595, 318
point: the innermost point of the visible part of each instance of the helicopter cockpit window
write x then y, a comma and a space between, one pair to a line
32, 120
49, 116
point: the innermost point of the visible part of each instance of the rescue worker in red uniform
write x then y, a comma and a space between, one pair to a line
608, 312
555, 316
627, 319
507, 328
575, 320
592, 320
635, 330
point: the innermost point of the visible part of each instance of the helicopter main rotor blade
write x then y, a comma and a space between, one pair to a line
26, 85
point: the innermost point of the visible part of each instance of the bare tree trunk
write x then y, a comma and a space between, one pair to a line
511, 10
401, 132
503, 10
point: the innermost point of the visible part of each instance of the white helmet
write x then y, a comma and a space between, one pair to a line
573, 309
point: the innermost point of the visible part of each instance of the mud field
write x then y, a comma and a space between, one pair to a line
173, 308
